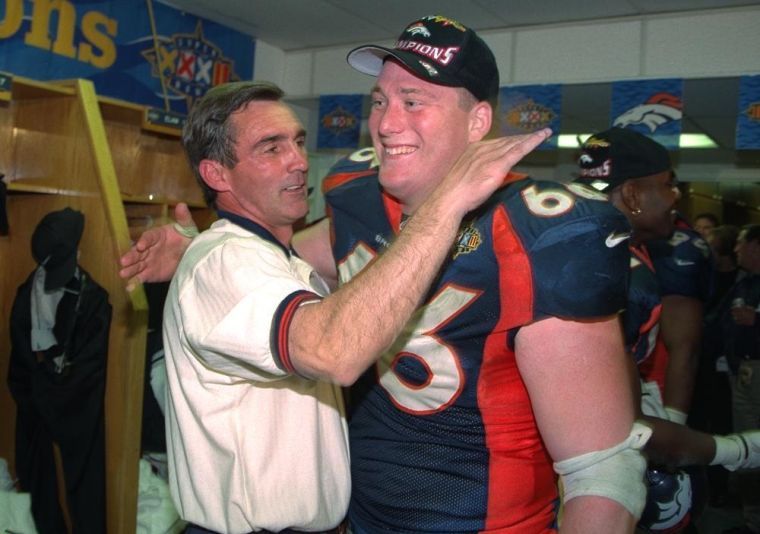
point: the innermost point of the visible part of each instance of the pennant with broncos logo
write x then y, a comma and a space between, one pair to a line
651, 107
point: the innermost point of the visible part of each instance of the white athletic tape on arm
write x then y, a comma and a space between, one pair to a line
615, 473
676, 416
186, 231
738, 451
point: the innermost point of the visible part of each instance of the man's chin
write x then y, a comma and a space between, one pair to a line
389, 178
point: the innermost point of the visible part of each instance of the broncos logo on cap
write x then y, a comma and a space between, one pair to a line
593, 142
446, 22
418, 29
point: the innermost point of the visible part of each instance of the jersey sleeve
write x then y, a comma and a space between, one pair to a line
576, 244
578, 273
237, 304
356, 165
683, 264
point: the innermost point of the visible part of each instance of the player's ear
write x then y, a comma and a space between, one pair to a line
213, 173
481, 116
629, 194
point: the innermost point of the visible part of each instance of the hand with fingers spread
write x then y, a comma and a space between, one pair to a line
483, 166
156, 254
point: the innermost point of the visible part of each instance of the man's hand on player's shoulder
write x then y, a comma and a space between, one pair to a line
155, 255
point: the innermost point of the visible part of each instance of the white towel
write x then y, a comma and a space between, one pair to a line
44, 305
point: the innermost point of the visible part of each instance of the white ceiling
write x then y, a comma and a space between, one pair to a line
302, 24
298, 24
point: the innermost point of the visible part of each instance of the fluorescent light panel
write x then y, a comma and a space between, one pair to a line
685, 140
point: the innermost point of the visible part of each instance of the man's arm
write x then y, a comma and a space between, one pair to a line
340, 336
681, 331
676, 445
578, 378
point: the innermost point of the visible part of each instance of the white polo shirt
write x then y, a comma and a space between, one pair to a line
251, 445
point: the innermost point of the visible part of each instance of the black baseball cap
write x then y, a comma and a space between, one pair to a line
613, 156
55, 243
439, 50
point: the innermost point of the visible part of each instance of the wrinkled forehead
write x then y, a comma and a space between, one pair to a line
266, 116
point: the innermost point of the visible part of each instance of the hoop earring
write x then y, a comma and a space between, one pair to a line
637, 211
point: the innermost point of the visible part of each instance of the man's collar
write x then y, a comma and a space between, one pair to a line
254, 228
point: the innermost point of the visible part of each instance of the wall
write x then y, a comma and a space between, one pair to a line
707, 44
703, 44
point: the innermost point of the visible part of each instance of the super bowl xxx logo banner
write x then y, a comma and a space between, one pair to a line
651, 107
529, 108
340, 118
748, 115
111, 43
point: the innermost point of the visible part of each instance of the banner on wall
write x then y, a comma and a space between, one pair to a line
111, 43
651, 107
340, 118
529, 108
748, 116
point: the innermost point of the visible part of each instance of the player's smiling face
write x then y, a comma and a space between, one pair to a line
418, 129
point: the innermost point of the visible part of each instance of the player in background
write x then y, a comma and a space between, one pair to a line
635, 173
684, 268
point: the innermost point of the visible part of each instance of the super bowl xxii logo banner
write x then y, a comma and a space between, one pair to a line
748, 114
339, 121
529, 108
651, 107
190, 64
112, 43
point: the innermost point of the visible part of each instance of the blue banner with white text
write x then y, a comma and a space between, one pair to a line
111, 43
529, 108
340, 118
651, 107
748, 116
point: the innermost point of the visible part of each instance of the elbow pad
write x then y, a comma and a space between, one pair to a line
615, 473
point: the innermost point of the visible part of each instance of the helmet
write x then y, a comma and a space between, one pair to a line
674, 499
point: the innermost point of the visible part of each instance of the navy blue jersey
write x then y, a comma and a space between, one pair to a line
683, 264
641, 320
444, 439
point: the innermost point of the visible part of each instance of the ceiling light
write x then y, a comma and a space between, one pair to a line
696, 141
571, 140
